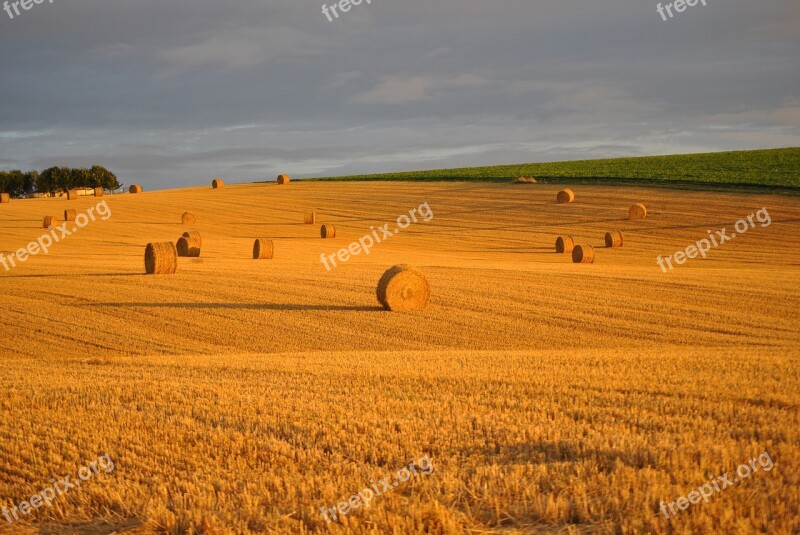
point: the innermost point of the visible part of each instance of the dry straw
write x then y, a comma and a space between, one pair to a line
525, 180
70, 215
50, 221
637, 211
403, 288
98, 192
136, 188
5, 198
564, 244
188, 218
263, 249
72, 195
565, 196
188, 246
327, 231
160, 258
614, 238
217, 183
195, 235
583, 254
311, 217
283, 179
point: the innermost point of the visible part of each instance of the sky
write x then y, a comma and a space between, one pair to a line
174, 93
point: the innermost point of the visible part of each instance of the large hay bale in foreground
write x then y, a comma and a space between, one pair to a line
72, 194
583, 254
98, 192
160, 258
564, 244
195, 235
188, 218
403, 288
327, 231
50, 221
263, 249
217, 183
283, 179
188, 246
637, 211
70, 215
614, 238
565, 196
311, 217
136, 188
5, 198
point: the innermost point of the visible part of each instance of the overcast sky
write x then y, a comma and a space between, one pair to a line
173, 93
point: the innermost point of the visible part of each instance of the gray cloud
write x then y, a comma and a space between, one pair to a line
171, 93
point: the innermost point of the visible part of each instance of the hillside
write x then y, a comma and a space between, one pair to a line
771, 168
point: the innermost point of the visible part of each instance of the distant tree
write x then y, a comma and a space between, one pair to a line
104, 178
55, 178
47, 180
14, 183
80, 177
52, 179
30, 180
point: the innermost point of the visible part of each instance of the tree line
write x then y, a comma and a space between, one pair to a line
20, 184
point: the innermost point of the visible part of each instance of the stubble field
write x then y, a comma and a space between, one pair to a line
241, 396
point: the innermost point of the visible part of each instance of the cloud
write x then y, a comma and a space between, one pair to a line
403, 89
239, 49
345, 78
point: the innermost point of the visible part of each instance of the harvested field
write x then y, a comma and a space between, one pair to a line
550, 397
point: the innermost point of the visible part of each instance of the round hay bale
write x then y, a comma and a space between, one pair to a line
564, 244
160, 258
5, 198
70, 215
637, 211
583, 254
565, 196
136, 188
72, 194
217, 183
327, 231
188, 218
311, 217
403, 288
263, 249
614, 238
98, 192
188, 246
50, 221
195, 235
283, 179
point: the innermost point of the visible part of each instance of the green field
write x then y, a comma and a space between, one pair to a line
778, 168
